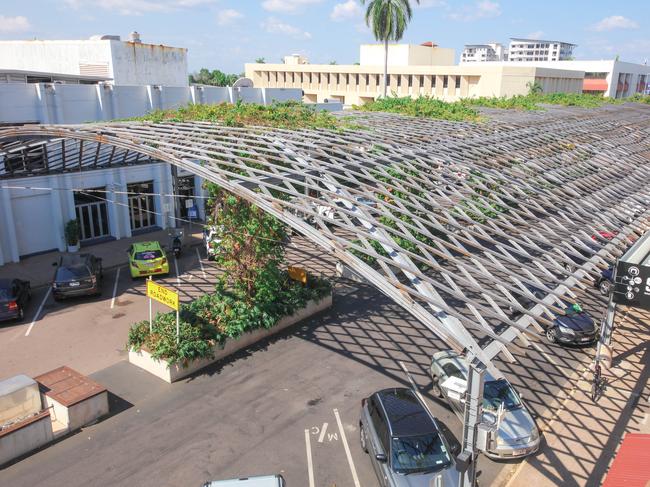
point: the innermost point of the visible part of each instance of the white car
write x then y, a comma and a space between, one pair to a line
210, 242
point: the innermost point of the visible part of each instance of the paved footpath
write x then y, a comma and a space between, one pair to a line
582, 437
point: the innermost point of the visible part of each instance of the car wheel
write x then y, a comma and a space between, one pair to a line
604, 287
362, 438
551, 334
435, 387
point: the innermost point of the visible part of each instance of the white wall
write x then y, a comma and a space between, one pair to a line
406, 55
126, 63
71, 104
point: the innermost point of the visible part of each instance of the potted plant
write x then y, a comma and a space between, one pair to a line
71, 231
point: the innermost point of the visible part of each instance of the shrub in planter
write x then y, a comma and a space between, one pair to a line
71, 231
223, 315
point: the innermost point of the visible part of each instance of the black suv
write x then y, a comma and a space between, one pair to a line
407, 445
77, 275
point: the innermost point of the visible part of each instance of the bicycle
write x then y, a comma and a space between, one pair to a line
598, 384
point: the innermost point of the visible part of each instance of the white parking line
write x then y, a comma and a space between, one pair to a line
355, 478
310, 464
198, 254
117, 279
38, 311
178, 278
322, 433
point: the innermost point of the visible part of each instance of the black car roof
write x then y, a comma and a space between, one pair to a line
406, 415
6, 283
73, 259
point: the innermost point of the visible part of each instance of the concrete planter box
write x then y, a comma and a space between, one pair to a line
25, 436
176, 371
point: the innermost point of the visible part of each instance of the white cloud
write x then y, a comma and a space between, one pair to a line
14, 24
484, 9
275, 26
228, 16
345, 11
137, 7
287, 6
430, 3
614, 22
538, 34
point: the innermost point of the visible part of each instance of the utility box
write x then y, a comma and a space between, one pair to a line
19, 399
632, 276
455, 387
485, 435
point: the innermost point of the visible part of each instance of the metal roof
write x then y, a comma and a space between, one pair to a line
631, 467
454, 219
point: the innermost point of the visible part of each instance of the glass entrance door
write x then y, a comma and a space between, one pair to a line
141, 205
92, 215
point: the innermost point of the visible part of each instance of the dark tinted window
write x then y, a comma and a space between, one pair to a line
379, 422
419, 454
5, 294
452, 371
72, 272
497, 392
148, 255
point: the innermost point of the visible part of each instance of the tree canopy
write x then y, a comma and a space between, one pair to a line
213, 78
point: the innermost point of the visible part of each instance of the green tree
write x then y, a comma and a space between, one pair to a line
251, 249
388, 20
332, 63
260, 60
213, 78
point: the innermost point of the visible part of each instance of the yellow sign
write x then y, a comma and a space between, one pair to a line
298, 274
162, 294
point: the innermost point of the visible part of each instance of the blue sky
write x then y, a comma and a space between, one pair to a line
225, 34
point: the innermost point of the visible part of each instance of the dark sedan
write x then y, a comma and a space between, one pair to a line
572, 327
14, 295
77, 275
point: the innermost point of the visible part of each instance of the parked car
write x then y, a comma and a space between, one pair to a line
260, 481
605, 281
14, 296
147, 259
573, 327
210, 242
77, 275
406, 443
517, 434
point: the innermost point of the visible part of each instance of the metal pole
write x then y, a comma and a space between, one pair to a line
607, 325
473, 416
150, 314
178, 327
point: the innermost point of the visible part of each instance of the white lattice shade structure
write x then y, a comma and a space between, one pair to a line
453, 221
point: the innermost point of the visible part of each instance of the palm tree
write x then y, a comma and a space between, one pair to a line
388, 20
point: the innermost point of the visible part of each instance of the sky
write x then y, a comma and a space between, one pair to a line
225, 34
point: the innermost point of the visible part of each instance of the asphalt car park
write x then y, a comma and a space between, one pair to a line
290, 405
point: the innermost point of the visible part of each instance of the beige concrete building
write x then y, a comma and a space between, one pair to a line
412, 72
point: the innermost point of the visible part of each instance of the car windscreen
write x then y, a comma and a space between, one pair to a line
426, 453
497, 392
70, 273
148, 255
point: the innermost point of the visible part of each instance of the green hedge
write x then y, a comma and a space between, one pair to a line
217, 317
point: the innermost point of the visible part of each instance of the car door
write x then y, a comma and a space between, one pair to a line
449, 369
378, 443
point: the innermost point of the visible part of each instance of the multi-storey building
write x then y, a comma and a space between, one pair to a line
411, 72
538, 50
477, 53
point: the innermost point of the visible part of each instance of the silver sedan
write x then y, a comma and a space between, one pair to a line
517, 434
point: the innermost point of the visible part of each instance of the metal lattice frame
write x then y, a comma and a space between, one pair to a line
450, 220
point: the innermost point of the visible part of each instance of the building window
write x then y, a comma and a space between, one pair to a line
457, 82
445, 81
142, 207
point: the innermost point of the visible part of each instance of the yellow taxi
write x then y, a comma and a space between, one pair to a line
147, 259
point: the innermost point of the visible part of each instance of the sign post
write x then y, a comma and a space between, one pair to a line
166, 297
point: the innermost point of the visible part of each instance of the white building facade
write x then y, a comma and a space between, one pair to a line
122, 62
113, 193
521, 50
478, 53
